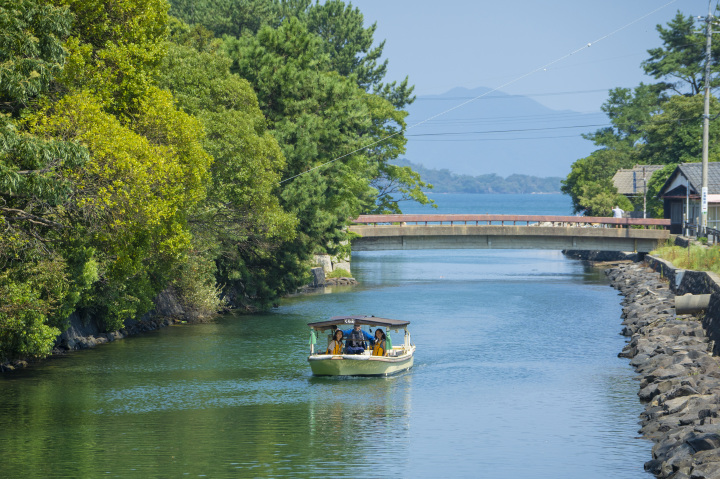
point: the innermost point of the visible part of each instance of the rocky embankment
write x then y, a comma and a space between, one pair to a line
680, 377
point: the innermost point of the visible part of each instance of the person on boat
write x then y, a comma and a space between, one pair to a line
331, 335
355, 342
379, 347
336, 345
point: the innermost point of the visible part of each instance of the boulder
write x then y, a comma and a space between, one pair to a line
318, 275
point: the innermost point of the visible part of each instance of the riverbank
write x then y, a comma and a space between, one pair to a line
680, 378
85, 333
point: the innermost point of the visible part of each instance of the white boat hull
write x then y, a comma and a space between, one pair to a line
360, 365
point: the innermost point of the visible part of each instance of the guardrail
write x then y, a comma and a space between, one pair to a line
529, 220
712, 234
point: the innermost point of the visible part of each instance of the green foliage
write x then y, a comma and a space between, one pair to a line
655, 183
132, 195
138, 152
195, 283
649, 124
347, 42
675, 134
698, 258
35, 300
339, 273
31, 52
315, 115
592, 176
682, 56
227, 17
114, 50
241, 218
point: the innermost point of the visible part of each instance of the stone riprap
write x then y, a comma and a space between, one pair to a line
680, 377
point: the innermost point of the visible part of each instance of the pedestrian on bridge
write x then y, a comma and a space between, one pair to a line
617, 213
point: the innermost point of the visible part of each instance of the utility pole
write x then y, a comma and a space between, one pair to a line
706, 117
644, 194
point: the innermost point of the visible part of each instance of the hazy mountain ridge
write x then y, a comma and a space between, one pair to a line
445, 181
496, 133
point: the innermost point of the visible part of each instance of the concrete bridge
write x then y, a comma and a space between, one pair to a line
397, 232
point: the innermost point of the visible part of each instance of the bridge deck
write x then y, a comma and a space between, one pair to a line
539, 232
514, 219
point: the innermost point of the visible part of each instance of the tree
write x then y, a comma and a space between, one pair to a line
682, 57
131, 196
652, 124
240, 218
349, 46
226, 17
592, 176
674, 135
115, 50
40, 284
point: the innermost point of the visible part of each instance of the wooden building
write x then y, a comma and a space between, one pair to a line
632, 182
681, 196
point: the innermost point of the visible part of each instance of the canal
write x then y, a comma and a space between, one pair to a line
516, 375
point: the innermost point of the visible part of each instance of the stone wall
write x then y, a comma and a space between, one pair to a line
331, 263
680, 377
694, 282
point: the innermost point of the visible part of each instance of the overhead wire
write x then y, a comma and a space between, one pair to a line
517, 79
636, 124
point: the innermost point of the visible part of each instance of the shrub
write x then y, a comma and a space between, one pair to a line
339, 273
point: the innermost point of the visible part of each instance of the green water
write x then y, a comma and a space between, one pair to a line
516, 376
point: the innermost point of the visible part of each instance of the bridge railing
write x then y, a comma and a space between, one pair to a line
528, 220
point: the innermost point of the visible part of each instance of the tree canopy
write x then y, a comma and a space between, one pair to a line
658, 123
208, 148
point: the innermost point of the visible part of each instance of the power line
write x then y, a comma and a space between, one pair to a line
517, 119
509, 131
508, 96
496, 139
517, 79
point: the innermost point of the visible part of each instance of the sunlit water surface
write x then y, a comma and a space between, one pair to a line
516, 376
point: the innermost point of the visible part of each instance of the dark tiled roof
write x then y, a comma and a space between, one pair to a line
693, 172
623, 179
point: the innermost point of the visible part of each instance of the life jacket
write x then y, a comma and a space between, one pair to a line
356, 339
379, 348
336, 346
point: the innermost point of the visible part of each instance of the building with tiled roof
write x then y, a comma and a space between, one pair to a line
633, 181
681, 195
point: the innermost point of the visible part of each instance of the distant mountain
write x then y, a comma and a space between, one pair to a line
445, 181
498, 133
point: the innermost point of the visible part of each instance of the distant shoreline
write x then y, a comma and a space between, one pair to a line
490, 193
449, 182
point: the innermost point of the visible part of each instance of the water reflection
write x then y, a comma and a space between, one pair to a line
515, 375
367, 416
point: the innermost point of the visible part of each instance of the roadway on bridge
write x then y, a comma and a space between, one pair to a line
555, 233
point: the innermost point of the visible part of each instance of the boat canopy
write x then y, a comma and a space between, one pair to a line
362, 320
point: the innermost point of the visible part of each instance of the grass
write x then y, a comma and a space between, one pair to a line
698, 258
339, 273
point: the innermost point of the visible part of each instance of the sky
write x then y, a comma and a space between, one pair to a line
499, 44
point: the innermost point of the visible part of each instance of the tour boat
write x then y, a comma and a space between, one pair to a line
395, 359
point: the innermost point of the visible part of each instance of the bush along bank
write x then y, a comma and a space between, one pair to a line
84, 333
680, 382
